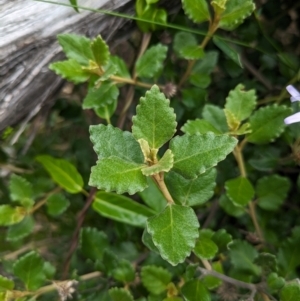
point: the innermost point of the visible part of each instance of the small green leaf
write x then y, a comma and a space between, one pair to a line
216, 117
268, 263
164, 164
199, 126
121, 208
29, 268
11, 215
275, 282
291, 291
151, 62
108, 71
93, 243
272, 191
193, 155
235, 13
100, 51
21, 191
124, 272
120, 294
106, 111
6, 284
207, 64
228, 50
70, 70
195, 290
212, 282
62, 172
240, 191
121, 67
76, 48
74, 3
241, 103
20, 230
205, 247
196, 10
155, 279
222, 239
230, 208
57, 204
155, 120
174, 232
191, 192
267, 123
102, 96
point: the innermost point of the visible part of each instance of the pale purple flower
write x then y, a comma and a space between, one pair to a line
295, 96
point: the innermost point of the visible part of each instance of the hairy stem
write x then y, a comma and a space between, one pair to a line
159, 180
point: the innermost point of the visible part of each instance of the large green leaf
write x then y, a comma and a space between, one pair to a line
29, 268
174, 232
193, 155
100, 51
21, 190
20, 230
215, 116
191, 192
120, 294
62, 172
195, 290
151, 62
291, 291
235, 13
11, 215
272, 191
155, 119
196, 10
205, 247
240, 191
267, 123
121, 208
76, 47
116, 174
155, 278
199, 126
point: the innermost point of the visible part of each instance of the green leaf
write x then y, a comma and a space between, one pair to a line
74, 3
230, 208
216, 117
275, 282
108, 71
121, 67
291, 291
268, 263
100, 51
76, 48
199, 126
174, 232
20, 230
21, 190
267, 123
148, 242
155, 119
212, 282
191, 192
124, 272
29, 268
187, 47
195, 290
57, 204
121, 208
155, 279
117, 174
93, 243
11, 215
241, 103
235, 13
240, 191
207, 64
196, 10
151, 62
193, 155
164, 164
62, 172
6, 284
106, 111
205, 247
229, 50
70, 70
272, 191
222, 239
120, 294
102, 96
242, 255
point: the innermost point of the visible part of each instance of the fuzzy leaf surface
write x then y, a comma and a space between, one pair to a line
205, 247
193, 155
155, 278
267, 123
100, 51
121, 208
11, 215
195, 290
235, 13
196, 10
199, 126
216, 117
21, 190
62, 172
57, 204
29, 268
120, 294
155, 119
272, 191
151, 62
191, 192
20, 230
124, 272
174, 232
291, 291
121, 67
240, 191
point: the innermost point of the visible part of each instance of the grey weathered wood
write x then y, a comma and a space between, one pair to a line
28, 44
